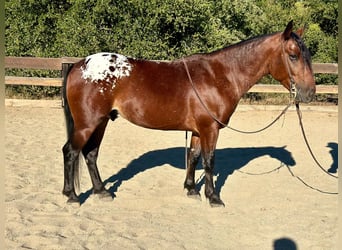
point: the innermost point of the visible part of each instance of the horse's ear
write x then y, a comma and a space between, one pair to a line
288, 30
300, 31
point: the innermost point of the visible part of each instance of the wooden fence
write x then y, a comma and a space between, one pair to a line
61, 64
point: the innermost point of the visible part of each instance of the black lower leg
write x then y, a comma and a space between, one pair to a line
98, 186
70, 163
210, 193
193, 157
189, 183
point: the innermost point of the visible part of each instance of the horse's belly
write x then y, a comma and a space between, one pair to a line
153, 116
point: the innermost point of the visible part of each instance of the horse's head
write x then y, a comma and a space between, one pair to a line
292, 67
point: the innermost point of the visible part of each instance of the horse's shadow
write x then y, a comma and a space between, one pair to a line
226, 162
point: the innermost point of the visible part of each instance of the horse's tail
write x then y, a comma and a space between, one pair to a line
69, 121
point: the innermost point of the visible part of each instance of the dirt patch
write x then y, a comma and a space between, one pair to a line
265, 204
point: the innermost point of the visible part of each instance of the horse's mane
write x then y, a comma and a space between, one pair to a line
243, 43
258, 39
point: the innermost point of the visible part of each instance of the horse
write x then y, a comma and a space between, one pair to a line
182, 94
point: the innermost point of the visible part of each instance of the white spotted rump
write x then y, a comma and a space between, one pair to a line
107, 67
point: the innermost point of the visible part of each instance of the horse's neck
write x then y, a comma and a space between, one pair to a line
250, 62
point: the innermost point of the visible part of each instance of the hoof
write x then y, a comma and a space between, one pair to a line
215, 201
72, 197
194, 194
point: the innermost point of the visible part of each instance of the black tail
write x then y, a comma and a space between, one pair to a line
69, 121
68, 117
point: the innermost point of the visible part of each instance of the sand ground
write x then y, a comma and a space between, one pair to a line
145, 170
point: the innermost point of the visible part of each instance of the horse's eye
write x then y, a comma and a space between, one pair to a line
293, 58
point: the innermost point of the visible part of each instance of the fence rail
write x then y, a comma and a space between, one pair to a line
57, 64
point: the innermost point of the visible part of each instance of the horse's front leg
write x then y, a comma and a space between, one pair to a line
208, 143
194, 154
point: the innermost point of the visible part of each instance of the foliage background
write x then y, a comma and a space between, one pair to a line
160, 29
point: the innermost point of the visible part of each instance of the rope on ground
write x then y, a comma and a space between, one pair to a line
307, 185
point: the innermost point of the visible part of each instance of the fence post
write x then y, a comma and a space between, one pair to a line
64, 73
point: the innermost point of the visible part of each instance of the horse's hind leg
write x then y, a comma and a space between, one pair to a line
90, 152
71, 157
71, 151
193, 157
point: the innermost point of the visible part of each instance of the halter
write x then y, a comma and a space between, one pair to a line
293, 90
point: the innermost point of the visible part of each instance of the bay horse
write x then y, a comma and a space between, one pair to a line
159, 95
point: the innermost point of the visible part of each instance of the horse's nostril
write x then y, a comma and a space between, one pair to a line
306, 95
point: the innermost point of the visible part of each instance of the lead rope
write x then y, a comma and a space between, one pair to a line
307, 143
293, 93
186, 149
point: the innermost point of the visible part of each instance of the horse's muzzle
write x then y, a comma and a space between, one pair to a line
305, 95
